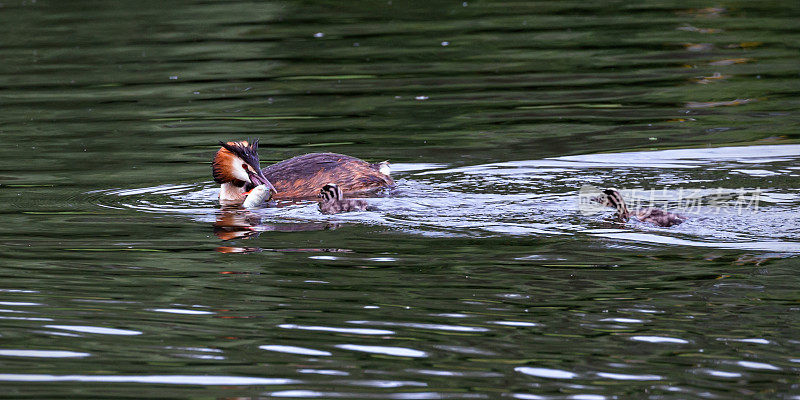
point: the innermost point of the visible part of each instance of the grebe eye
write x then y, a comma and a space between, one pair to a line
244, 166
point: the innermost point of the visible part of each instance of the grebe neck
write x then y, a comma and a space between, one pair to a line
228, 192
616, 200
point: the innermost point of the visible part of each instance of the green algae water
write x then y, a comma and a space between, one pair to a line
479, 276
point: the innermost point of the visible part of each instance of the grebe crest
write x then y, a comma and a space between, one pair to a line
612, 198
333, 201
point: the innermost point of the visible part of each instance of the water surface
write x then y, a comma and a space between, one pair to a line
477, 277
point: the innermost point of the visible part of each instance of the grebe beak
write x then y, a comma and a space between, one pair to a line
258, 178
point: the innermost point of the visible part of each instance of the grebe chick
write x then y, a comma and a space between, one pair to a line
236, 168
333, 201
657, 216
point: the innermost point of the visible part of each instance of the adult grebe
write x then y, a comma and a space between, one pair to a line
657, 216
236, 168
333, 201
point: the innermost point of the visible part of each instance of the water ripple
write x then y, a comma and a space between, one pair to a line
42, 353
94, 329
385, 350
758, 365
658, 339
331, 372
628, 377
514, 323
294, 350
182, 311
208, 380
546, 373
438, 327
723, 374
356, 331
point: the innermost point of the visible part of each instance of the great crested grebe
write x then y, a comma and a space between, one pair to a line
333, 201
657, 216
236, 168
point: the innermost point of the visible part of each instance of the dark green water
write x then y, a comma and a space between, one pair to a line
478, 277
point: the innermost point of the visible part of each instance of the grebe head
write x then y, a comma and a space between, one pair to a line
612, 198
330, 192
237, 163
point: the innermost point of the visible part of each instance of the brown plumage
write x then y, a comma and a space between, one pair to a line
657, 216
333, 201
302, 176
236, 168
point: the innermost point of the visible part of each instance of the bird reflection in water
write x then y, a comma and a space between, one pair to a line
239, 223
